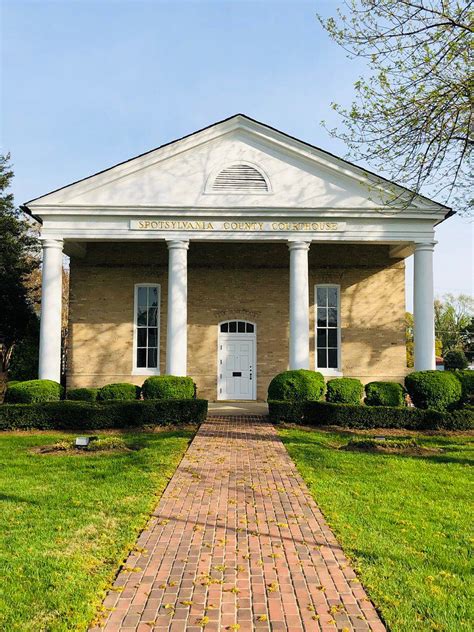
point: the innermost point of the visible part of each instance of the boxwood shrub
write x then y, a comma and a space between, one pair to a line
24, 417
384, 394
466, 379
366, 417
168, 387
119, 390
33, 391
296, 385
82, 394
344, 390
439, 390
81, 416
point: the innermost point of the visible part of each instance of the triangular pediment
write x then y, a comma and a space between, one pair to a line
235, 163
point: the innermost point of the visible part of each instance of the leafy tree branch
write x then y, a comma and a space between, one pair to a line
412, 118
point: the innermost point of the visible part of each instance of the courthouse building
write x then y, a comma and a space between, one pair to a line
230, 255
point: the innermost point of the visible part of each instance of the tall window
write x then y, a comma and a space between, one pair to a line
328, 329
147, 328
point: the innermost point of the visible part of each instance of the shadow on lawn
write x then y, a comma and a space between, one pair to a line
17, 499
447, 447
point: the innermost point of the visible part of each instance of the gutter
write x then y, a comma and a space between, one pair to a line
27, 211
449, 214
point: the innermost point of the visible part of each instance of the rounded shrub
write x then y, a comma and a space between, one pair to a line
296, 385
120, 390
439, 390
344, 390
168, 387
455, 359
466, 379
82, 394
33, 391
384, 394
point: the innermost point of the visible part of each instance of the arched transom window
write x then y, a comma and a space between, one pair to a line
237, 327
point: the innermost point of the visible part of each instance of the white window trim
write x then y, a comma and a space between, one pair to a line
145, 370
325, 371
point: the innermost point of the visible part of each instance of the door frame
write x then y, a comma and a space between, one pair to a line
237, 336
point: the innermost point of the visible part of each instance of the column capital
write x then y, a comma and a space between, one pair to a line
52, 242
178, 244
425, 245
299, 245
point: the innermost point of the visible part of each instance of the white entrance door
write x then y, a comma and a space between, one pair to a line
237, 361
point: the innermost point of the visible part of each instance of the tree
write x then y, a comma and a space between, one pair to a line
18, 259
413, 117
453, 321
455, 359
410, 340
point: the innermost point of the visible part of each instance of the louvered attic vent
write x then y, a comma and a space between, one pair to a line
240, 178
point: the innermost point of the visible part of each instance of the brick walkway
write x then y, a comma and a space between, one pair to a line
237, 540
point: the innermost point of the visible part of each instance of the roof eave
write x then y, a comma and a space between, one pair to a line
28, 211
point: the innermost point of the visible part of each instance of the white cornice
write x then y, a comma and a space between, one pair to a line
82, 212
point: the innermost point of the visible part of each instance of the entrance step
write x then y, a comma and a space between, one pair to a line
238, 409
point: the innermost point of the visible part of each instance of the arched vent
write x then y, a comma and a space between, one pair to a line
240, 178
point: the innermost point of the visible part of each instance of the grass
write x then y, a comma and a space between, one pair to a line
67, 521
405, 522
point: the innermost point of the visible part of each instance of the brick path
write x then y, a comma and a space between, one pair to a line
237, 540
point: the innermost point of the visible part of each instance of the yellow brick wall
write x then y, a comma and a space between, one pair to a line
234, 281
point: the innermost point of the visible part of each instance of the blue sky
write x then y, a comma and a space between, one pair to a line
89, 83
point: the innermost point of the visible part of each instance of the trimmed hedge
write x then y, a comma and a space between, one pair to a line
33, 391
82, 394
344, 390
366, 417
297, 385
119, 391
286, 412
466, 379
168, 387
77, 415
384, 394
439, 390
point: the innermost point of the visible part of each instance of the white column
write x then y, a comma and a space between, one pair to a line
51, 307
299, 305
423, 307
176, 338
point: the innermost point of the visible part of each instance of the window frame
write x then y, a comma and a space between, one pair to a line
329, 372
136, 370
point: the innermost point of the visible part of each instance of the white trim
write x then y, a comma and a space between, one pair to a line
376, 229
234, 210
327, 372
237, 336
144, 370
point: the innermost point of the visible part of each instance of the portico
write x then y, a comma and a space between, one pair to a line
229, 255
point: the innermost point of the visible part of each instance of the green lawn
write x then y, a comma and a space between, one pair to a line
405, 521
67, 521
